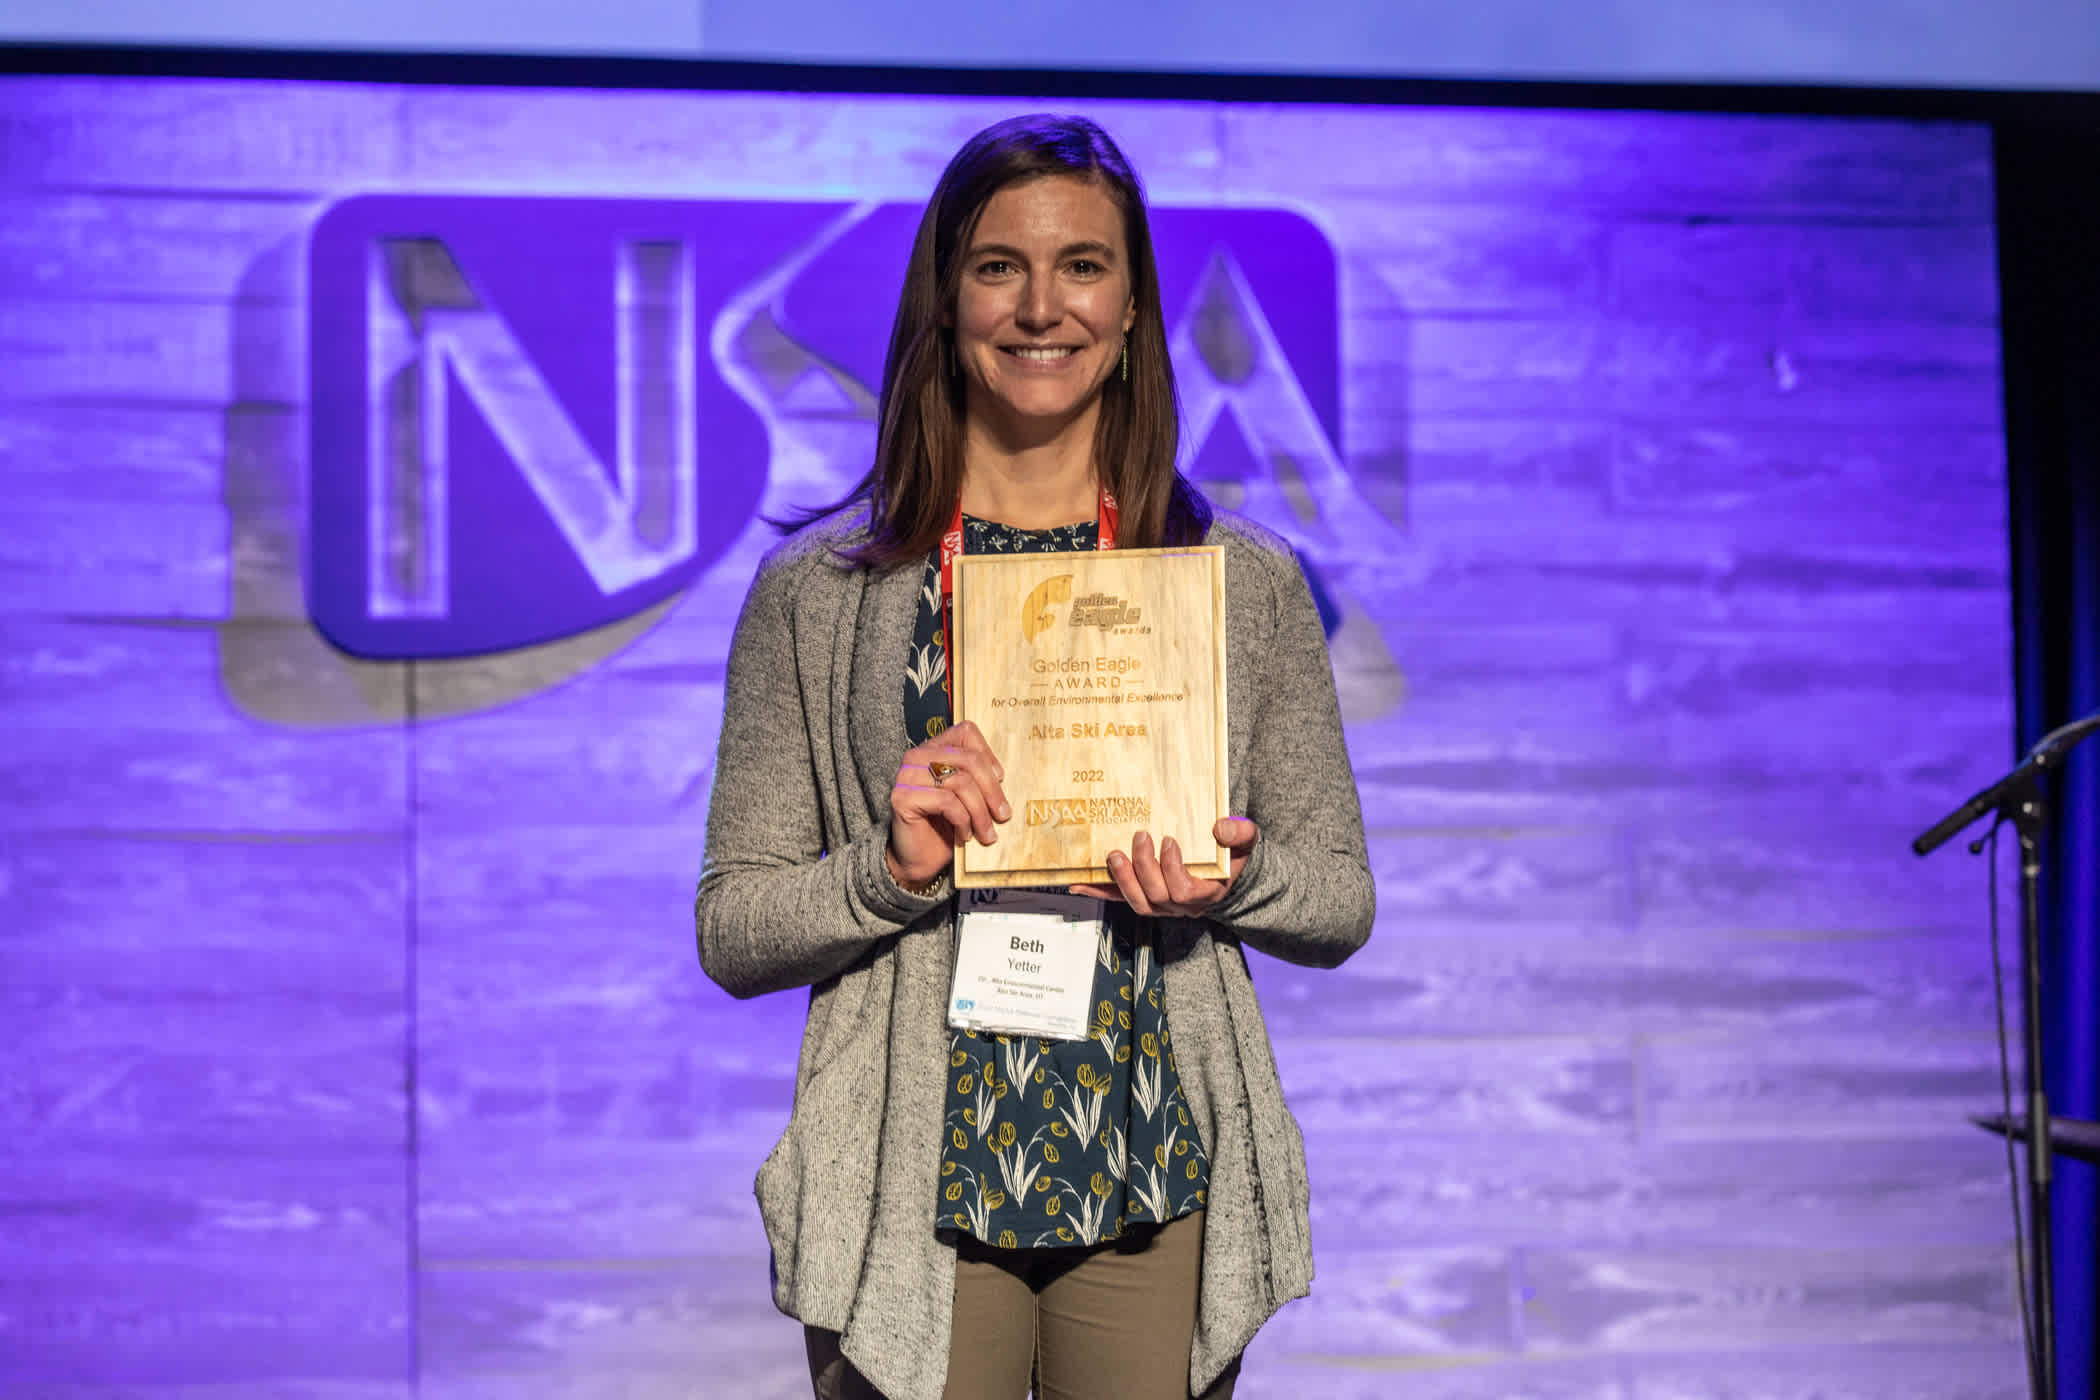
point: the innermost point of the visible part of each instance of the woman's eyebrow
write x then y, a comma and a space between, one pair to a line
1090, 247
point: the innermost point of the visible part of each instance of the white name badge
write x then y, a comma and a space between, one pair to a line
1024, 963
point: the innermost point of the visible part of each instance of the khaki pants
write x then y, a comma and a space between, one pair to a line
1113, 1322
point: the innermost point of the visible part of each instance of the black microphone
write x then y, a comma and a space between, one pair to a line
2044, 757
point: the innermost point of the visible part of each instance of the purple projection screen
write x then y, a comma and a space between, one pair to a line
385, 466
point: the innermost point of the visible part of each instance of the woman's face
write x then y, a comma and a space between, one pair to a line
1044, 302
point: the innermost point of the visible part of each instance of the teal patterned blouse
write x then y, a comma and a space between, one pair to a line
1058, 1142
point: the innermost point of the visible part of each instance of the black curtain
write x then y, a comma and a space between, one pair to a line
2048, 170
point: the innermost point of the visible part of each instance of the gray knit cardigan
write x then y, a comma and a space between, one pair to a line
795, 892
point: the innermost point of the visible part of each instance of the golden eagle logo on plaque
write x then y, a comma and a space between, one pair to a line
1036, 617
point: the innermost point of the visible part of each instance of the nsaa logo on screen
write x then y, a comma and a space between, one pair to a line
533, 417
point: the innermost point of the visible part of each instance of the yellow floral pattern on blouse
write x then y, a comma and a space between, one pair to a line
1065, 1142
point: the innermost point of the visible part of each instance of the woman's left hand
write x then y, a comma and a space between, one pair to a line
1158, 884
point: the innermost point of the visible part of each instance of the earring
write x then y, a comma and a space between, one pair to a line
1126, 359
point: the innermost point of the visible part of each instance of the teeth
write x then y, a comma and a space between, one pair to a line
1030, 353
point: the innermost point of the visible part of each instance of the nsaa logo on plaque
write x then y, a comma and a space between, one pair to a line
533, 417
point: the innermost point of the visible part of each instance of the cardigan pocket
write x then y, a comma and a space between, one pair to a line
779, 1190
835, 1010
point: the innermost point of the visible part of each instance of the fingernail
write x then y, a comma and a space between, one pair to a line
1006, 813
1167, 847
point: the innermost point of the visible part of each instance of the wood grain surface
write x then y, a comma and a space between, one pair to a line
1101, 681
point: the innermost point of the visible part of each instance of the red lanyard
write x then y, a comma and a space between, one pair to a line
952, 545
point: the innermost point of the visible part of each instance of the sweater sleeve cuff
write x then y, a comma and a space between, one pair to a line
879, 891
1246, 889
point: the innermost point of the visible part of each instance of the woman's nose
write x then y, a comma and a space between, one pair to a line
1039, 308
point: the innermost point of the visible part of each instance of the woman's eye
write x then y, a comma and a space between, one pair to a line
1086, 267
996, 267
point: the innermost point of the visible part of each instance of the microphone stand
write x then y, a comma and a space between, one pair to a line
2018, 798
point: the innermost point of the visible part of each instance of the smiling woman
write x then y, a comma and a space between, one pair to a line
1035, 246
1116, 1206
1041, 318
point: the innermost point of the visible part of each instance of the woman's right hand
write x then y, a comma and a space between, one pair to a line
947, 792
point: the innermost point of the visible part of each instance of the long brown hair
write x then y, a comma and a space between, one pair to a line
916, 479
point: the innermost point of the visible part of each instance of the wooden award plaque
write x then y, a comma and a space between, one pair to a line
1098, 679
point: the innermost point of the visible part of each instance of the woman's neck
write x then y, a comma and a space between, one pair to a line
1033, 488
